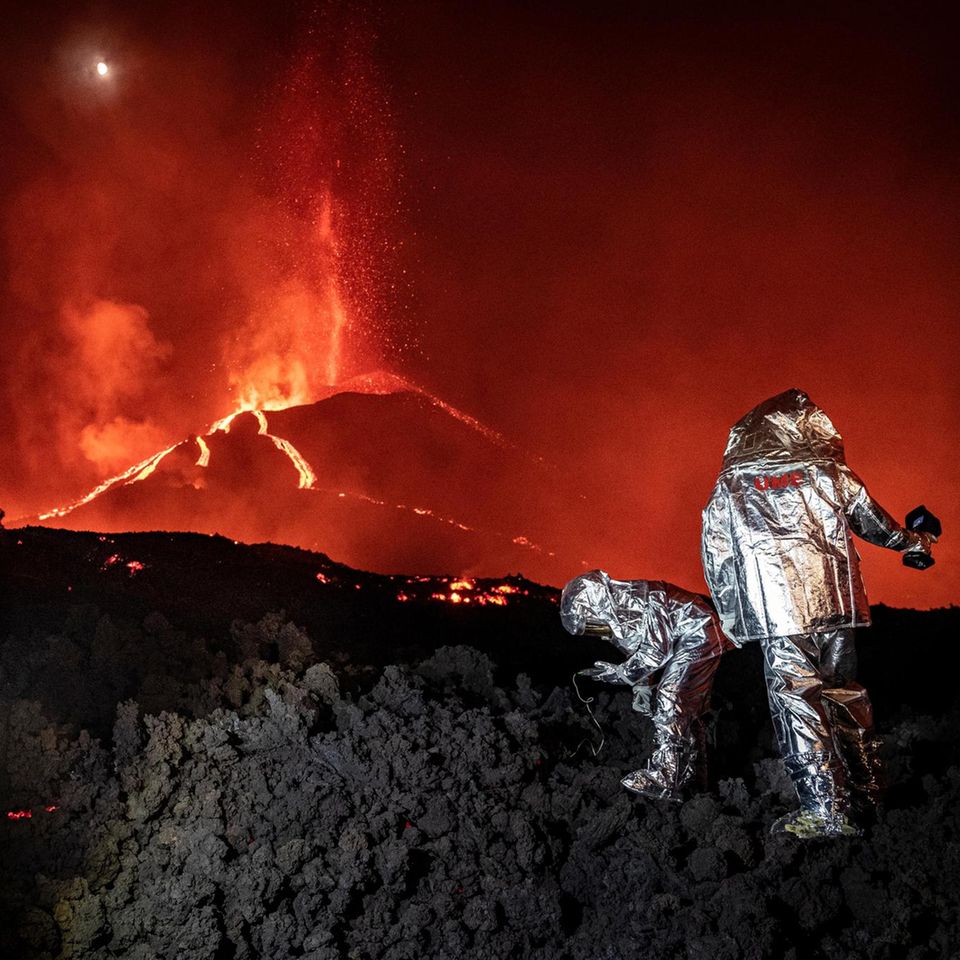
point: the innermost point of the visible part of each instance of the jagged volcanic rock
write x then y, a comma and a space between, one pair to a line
352, 780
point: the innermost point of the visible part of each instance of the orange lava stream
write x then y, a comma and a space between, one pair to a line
223, 423
308, 478
381, 383
427, 512
139, 471
492, 435
489, 433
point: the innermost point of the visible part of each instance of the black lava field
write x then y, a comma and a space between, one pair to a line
213, 750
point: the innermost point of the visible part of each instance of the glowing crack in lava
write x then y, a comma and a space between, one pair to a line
132, 566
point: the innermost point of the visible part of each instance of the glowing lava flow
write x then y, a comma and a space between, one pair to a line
488, 432
27, 814
520, 541
133, 566
382, 382
223, 423
307, 477
139, 471
379, 382
143, 469
492, 435
463, 591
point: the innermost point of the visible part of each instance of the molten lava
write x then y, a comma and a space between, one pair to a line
139, 471
133, 567
308, 478
463, 591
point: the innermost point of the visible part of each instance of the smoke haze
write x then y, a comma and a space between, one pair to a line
187, 233
619, 231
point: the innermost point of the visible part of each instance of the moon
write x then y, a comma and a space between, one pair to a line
102, 68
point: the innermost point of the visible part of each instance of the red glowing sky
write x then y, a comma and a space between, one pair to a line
611, 234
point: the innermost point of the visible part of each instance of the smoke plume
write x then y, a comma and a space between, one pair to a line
187, 230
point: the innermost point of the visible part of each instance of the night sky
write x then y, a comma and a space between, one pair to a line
606, 234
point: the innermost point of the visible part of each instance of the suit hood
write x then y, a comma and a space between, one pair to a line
785, 428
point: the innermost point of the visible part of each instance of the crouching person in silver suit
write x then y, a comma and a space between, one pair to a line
780, 562
659, 627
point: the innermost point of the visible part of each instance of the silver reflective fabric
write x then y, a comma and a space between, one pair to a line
779, 559
656, 626
778, 552
823, 720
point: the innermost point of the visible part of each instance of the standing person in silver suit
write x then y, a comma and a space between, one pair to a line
780, 562
658, 626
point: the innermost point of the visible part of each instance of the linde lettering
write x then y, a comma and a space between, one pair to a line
792, 479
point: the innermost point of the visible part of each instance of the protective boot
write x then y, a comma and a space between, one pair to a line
860, 750
819, 779
667, 772
851, 715
861, 757
814, 825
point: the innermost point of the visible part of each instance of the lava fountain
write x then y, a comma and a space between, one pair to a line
372, 468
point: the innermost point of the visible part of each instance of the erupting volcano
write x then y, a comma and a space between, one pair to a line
369, 468
214, 231
377, 472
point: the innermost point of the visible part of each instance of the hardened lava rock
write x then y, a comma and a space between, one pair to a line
439, 812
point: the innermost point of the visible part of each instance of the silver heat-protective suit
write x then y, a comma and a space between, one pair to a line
780, 562
656, 626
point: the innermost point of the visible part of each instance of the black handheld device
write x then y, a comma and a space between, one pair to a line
921, 520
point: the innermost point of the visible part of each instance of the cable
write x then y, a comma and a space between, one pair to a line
586, 702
